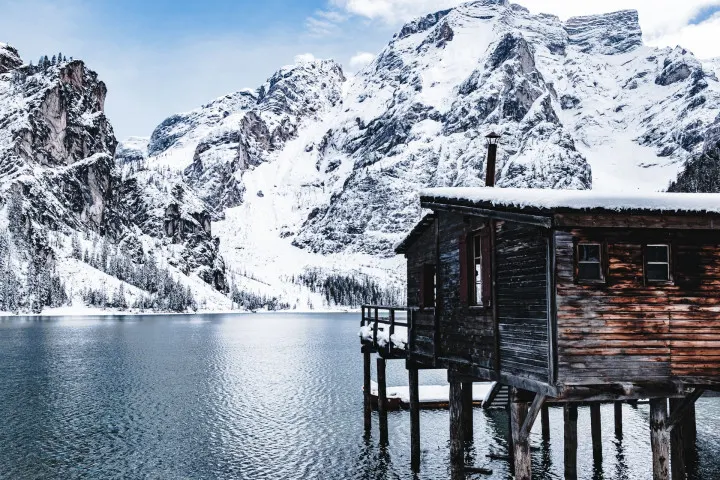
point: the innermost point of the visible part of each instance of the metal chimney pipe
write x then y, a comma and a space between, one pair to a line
492, 139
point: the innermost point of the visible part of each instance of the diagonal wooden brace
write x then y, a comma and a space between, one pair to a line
532, 414
680, 412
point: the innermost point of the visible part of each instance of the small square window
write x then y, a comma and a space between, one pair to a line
657, 263
589, 263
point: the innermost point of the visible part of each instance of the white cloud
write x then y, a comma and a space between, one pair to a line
360, 60
702, 39
304, 58
393, 11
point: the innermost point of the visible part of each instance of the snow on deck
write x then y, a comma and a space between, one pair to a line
576, 199
432, 393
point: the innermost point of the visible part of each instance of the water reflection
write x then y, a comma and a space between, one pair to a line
250, 396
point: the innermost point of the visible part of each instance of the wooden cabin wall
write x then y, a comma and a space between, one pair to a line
627, 331
464, 334
422, 252
521, 279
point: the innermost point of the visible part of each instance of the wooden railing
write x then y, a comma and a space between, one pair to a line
381, 317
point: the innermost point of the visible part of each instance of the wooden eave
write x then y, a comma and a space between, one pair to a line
417, 230
563, 218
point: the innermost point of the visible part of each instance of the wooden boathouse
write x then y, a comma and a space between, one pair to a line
568, 298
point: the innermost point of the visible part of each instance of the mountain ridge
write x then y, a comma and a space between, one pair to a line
280, 193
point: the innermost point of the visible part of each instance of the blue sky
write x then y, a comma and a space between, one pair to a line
162, 56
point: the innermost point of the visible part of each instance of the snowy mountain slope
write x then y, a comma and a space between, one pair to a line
569, 99
132, 150
314, 170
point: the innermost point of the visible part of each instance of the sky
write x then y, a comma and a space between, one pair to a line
159, 57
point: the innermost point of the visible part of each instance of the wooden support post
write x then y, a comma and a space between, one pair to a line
457, 454
618, 419
521, 443
690, 438
570, 415
467, 411
414, 419
545, 421
367, 399
596, 433
659, 438
677, 444
382, 400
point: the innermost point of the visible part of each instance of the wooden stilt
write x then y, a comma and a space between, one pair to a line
521, 444
677, 444
382, 400
367, 404
659, 438
570, 415
596, 432
467, 411
618, 419
545, 421
414, 419
457, 455
690, 435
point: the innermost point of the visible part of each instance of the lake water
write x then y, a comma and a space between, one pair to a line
251, 397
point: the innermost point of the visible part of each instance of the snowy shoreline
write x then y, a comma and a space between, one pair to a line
97, 312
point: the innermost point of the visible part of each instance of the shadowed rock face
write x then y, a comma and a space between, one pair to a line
57, 150
607, 34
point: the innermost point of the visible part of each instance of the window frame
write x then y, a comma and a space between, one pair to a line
428, 268
670, 280
602, 247
475, 298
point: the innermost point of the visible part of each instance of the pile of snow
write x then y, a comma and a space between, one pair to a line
399, 338
433, 393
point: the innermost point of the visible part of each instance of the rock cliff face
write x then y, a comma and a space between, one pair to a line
59, 177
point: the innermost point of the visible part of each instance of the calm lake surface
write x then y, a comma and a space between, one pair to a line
274, 396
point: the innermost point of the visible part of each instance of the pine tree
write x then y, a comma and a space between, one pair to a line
53, 61
76, 248
15, 212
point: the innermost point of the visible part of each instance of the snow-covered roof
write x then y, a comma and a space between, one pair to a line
418, 230
552, 200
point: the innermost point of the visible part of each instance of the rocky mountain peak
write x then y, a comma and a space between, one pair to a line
9, 58
301, 88
607, 34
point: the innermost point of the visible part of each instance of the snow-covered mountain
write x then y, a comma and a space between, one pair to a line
309, 180
76, 227
316, 170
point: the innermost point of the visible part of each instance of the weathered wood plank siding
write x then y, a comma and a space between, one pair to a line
422, 252
628, 331
465, 334
521, 261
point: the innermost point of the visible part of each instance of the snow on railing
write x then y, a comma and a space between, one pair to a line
385, 327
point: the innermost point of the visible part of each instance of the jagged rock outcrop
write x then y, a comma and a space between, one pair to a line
607, 34
9, 58
57, 163
291, 97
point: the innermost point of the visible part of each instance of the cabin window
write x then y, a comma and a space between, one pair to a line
657, 263
428, 287
480, 289
589, 262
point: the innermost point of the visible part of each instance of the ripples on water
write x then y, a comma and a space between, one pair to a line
249, 397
